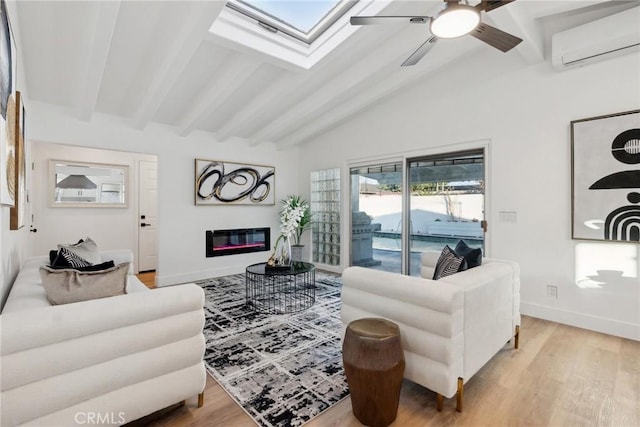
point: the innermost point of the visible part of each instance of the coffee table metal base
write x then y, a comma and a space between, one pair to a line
280, 292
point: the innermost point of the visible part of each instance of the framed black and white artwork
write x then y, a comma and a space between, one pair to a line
605, 165
223, 183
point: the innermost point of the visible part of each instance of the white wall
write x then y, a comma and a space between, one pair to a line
110, 228
181, 224
13, 249
525, 113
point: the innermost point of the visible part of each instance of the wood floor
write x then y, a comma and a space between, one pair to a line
560, 376
148, 278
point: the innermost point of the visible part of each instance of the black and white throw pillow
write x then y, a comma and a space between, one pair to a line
86, 249
449, 263
75, 261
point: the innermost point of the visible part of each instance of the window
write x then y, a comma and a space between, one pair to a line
304, 21
325, 210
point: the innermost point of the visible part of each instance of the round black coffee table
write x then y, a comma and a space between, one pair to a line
282, 290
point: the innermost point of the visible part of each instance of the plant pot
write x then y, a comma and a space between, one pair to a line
296, 252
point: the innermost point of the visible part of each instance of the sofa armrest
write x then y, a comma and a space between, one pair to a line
490, 310
429, 314
58, 359
420, 303
42, 326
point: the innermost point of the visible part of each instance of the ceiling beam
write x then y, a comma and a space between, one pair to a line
177, 57
235, 73
292, 87
336, 114
247, 115
373, 65
104, 26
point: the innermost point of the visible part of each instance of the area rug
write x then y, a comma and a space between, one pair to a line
282, 369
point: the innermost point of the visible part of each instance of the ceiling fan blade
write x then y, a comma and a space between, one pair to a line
420, 52
371, 20
489, 5
495, 37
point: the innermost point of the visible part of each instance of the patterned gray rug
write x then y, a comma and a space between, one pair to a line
282, 369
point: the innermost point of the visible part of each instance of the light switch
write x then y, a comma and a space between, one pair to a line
509, 216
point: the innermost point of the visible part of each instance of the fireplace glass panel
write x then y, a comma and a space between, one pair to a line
237, 241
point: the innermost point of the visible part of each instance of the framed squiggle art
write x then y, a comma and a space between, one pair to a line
224, 183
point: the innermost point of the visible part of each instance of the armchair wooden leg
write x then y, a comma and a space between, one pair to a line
201, 400
459, 395
517, 337
439, 401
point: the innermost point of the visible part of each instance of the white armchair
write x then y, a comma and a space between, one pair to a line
449, 328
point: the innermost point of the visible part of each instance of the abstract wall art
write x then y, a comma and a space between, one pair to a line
223, 183
605, 160
8, 73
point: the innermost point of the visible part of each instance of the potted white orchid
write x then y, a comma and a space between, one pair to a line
295, 219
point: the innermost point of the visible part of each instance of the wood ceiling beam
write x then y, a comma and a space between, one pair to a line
105, 22
362, 70
246, 116
235, 73
336, 114
291, 87
177, 58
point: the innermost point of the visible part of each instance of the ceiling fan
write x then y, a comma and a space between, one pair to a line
455, 20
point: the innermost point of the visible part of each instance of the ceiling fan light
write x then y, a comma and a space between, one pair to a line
455, 21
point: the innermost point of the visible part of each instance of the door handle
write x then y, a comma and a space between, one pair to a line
144, 224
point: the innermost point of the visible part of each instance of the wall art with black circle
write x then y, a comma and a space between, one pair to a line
223, 183
605, 164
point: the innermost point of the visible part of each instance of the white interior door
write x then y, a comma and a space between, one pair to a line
148, 213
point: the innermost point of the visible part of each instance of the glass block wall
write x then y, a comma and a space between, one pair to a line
325, 208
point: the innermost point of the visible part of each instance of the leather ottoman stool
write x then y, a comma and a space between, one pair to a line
374, 365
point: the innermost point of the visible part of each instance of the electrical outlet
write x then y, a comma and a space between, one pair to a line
552, 291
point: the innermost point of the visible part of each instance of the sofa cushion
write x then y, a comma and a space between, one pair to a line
473, 257
66, 286
86, 249
449, 263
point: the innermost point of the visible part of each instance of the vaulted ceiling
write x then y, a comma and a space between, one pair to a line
158, 62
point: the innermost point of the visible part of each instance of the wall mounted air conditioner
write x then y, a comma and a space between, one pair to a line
605, 38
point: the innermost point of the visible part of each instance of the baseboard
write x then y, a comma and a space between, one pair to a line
580, 320
198, 275
218, 272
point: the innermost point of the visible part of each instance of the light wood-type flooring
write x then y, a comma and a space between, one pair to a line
560, 376
148, 278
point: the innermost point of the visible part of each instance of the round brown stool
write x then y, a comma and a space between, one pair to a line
374, 365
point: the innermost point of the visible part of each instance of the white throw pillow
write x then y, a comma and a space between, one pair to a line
87, 249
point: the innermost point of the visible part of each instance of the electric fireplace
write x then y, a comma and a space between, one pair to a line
237, 241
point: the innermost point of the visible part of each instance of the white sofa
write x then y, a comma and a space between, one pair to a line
450, 327
100, 362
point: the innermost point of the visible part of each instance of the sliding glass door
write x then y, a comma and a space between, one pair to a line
376, 216
440, 197
446, 202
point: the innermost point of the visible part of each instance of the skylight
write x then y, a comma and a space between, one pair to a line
302, 20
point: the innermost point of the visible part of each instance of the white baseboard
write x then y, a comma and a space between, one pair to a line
593, 323
198, 275
219, 272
